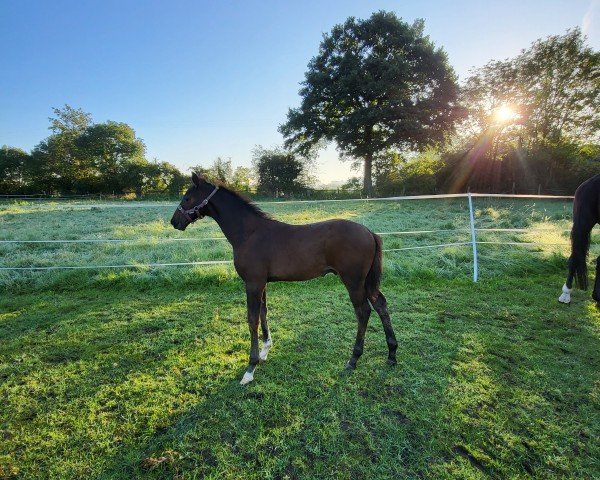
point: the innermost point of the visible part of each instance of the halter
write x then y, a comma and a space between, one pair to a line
197, 208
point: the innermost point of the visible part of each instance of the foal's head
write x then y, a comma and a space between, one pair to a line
194, 204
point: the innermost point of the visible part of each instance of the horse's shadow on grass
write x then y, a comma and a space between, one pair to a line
279, 424
460, 377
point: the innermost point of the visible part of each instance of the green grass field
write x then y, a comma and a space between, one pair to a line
133, 373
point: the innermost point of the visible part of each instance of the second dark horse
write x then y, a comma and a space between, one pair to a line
586, 214
266, 250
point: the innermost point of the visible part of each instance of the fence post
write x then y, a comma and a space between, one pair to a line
473, 238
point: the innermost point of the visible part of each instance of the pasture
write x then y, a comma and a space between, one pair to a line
134, 373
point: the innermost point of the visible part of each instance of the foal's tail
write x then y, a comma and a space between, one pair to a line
580, 244
374, 276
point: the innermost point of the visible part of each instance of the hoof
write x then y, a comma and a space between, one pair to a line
391, 362
565, 296
247, 378
350, 366
264, 353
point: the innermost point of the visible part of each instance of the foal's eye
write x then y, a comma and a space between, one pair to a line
186, 198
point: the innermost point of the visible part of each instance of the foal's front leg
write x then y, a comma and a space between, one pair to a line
253, 299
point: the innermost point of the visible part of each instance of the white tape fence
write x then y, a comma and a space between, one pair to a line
472, 229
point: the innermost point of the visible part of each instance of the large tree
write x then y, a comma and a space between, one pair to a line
13, 165
278, 172
57, 161
560, 81
375, 84
111, 149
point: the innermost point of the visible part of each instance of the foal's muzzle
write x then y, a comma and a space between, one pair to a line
178, 225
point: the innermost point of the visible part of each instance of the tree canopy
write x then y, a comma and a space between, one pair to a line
111, 150
552, 89
533, 121
375, 84
278, 172
222, 171
13, 163
80, 156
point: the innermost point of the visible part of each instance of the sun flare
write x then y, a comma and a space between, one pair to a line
504, 114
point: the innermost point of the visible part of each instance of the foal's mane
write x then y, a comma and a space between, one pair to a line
245, 202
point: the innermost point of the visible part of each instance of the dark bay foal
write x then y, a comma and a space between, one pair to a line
265, 250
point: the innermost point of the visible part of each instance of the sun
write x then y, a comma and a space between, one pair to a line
505, 113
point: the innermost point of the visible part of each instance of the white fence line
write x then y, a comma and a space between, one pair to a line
139, 265
224, 262
212, 239
419, 247
117, 240
173, 205
525, 244
45, 196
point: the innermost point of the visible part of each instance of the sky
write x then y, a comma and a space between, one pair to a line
199, 80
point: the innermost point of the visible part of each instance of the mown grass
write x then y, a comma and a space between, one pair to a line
134, 373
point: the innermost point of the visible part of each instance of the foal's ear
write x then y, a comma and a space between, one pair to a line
195, 179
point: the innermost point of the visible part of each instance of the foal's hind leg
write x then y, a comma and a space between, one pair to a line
380, 306
363, 311
267, 343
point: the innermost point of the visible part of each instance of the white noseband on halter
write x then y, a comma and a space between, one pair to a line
196, 210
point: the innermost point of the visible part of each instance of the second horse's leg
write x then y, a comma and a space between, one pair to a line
266, 333
253, 299
565, 296
596, 292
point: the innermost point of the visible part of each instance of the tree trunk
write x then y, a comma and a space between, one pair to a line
367, 182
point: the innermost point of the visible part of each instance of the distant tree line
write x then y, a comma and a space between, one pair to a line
387, 97
221, 171
80, 156
275, 172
